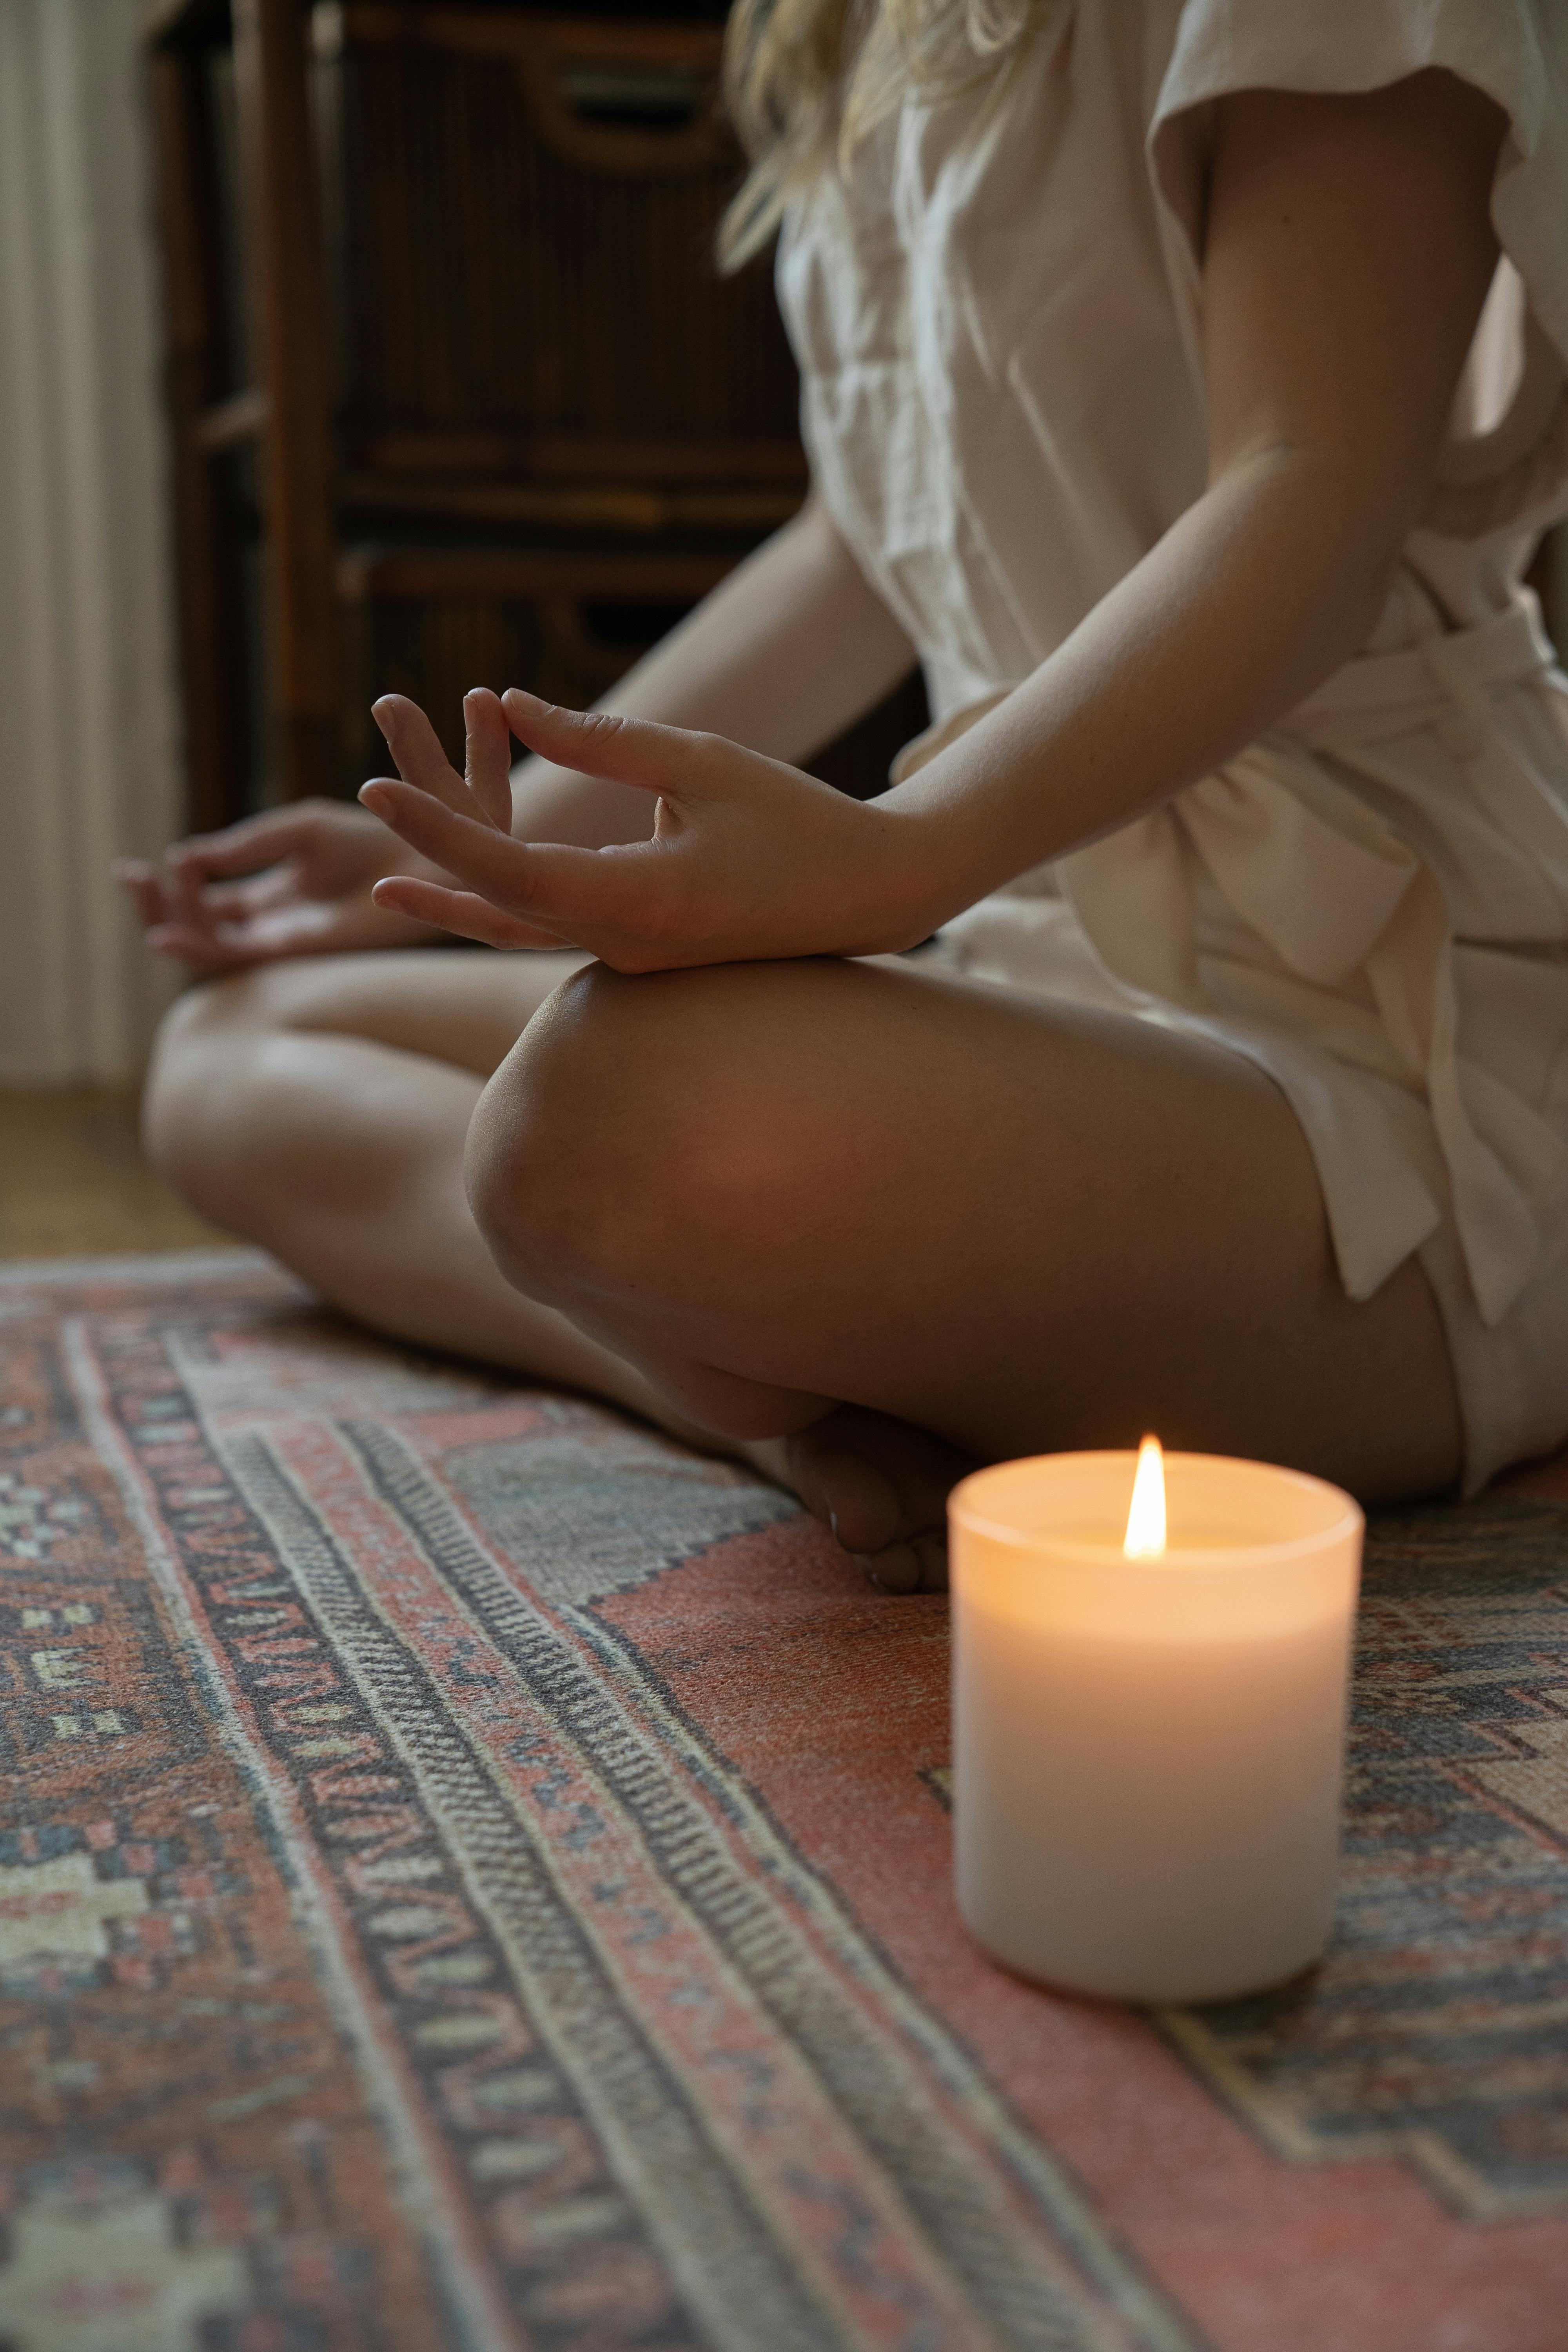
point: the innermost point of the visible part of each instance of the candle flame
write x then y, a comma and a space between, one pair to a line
1145, 1537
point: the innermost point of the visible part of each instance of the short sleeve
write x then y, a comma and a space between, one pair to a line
1517, 52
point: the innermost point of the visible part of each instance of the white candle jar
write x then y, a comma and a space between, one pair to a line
1148, 1752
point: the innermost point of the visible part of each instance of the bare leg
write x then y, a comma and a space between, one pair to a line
784, 1188
869, 1236
320, 1107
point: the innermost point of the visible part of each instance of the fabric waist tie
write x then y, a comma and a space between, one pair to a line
1330, 887
1378, 695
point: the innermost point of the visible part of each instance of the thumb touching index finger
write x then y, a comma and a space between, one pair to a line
608, 744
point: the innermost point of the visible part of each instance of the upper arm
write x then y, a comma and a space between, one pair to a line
1348, 251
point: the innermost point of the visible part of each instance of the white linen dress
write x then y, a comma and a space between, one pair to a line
997, 322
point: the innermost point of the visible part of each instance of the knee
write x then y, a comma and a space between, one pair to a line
195, 1129
175, 1100
585, 1136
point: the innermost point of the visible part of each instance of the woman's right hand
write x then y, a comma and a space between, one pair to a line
293, 881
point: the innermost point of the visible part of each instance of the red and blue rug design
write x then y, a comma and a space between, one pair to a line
473, 1874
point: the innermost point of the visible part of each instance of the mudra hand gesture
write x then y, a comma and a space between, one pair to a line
749, 858
293, 881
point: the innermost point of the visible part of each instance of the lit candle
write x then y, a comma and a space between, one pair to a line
1149, 1735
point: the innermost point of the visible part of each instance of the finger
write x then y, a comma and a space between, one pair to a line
204, 951
416, 753
188, 887
167, 899
605, 743
253, 897
144, 884
462, 911
487, 763
245, 848
221, 946
545, 883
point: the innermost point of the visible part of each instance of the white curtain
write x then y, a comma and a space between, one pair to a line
89, 739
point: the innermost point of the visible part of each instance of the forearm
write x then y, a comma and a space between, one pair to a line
1347, 249
790, 649
1258, 593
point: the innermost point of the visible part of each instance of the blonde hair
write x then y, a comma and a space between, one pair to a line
806, 79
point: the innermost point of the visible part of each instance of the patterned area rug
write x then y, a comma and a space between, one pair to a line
475, 1876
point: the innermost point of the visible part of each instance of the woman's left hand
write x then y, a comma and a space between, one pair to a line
749, 858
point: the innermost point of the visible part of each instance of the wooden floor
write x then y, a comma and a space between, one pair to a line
74, 1182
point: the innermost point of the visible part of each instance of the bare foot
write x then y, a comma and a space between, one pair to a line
881, 1485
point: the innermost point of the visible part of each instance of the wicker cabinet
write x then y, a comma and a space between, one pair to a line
454, 388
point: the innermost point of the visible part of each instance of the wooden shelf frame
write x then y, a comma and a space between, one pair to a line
312, 484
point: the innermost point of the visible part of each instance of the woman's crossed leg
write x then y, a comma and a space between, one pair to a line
778, 1191
858, 1221
320, 1106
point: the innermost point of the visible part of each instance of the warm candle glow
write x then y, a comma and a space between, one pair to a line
1145, 1537
1147, 1751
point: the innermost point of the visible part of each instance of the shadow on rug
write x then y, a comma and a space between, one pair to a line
475, 1876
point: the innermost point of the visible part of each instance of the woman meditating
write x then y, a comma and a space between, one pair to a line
1181, 1042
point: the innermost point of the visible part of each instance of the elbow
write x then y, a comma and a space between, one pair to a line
1341, 526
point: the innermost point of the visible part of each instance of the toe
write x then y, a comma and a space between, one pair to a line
845, 1492
883, 1477
917, 1565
